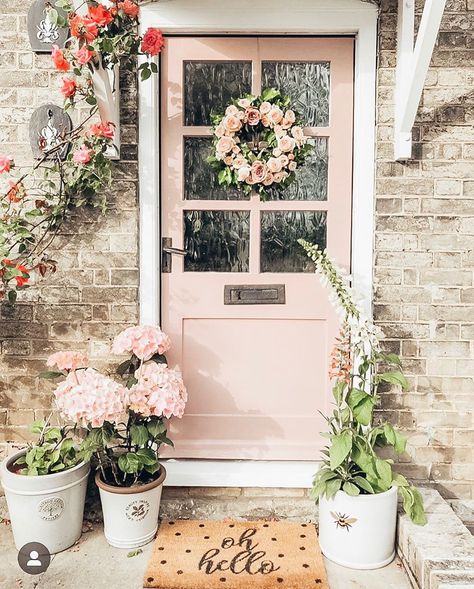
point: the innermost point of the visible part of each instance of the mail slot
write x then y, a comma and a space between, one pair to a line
254, 294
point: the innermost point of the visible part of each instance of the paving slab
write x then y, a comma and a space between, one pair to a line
93, 564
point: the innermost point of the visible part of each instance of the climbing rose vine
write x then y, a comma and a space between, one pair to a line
36, 200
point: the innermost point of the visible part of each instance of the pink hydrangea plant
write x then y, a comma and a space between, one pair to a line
68, 360
88, 397
160, 391
142, 340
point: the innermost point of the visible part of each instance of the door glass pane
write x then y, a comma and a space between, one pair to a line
200, 179
306, 83
280, 251
216, 241
210, 86
311, 179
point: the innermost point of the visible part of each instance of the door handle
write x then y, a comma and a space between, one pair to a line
167, 251
174, 250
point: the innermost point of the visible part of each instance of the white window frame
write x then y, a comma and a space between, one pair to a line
278, 17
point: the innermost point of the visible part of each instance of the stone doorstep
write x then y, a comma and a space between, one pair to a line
440, 555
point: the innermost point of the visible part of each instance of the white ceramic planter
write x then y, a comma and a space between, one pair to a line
47, 508
131, 513
359, 532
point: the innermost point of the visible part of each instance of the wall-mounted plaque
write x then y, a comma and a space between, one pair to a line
42, 32
49, 125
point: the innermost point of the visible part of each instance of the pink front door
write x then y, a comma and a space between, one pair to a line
251, 326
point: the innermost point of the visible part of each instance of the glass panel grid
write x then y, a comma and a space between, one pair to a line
216, 241
280, 231
306, 83
211, 85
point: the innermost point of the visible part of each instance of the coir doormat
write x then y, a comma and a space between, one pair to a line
236, 555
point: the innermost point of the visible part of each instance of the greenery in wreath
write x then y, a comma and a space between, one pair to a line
259, 143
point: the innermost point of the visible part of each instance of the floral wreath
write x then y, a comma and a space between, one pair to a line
259, 143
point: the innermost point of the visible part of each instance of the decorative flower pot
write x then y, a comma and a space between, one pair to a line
130, 513
359, 532
46, 508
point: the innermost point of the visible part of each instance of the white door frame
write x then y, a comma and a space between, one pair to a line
298, 17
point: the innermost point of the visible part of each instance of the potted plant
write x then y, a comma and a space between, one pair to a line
125, 426
357, 485
45, 484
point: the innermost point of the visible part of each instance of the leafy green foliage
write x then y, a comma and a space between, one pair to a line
54, 451
351, 461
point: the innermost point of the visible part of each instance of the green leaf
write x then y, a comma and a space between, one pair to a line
384, 470
332, 487
394, 438
133, 553
395, 377
145, 74
363, 484
123, 367
52, 434
50, 374
12, 295
129, 463
147, 456
139, 435
270, 94
399, 480
341, 445
37, 427
362, 405
350, 489
153, 468
364, 461
156, 428
338, 391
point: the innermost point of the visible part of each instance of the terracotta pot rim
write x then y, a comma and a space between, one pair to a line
130, 490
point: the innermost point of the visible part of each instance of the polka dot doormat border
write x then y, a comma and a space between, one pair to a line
191, 554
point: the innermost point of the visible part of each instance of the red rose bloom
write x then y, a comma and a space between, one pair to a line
100, 15
60, 62
130, 8
152, 42
16, 192
83, 28
102, 130
68, 87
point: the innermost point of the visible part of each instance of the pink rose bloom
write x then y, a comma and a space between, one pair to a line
160, 391
275, 115
265, 120
224, 145
252, 116
274, 164
231, 110
290, 116
68, 360
283, 159
292, 166
244, 102
269, 178
259, 171
82, 155
5, 163
232, 123
143, 341
219, 131
228, 160
298, 133
88, 397
286, 143
84, 55
239, 161
265, 108
243, 173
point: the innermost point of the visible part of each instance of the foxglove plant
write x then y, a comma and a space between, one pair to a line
125, 422
359, 366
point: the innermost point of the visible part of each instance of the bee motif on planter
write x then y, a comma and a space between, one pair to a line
342, 520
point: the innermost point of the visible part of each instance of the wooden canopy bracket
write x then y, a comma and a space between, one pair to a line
413, 60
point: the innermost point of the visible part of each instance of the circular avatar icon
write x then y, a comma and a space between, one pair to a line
34, 558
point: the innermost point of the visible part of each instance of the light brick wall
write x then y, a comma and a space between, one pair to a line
424, 291
425, 254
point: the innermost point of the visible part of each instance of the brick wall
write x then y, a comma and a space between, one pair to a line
424, 251
424, 244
